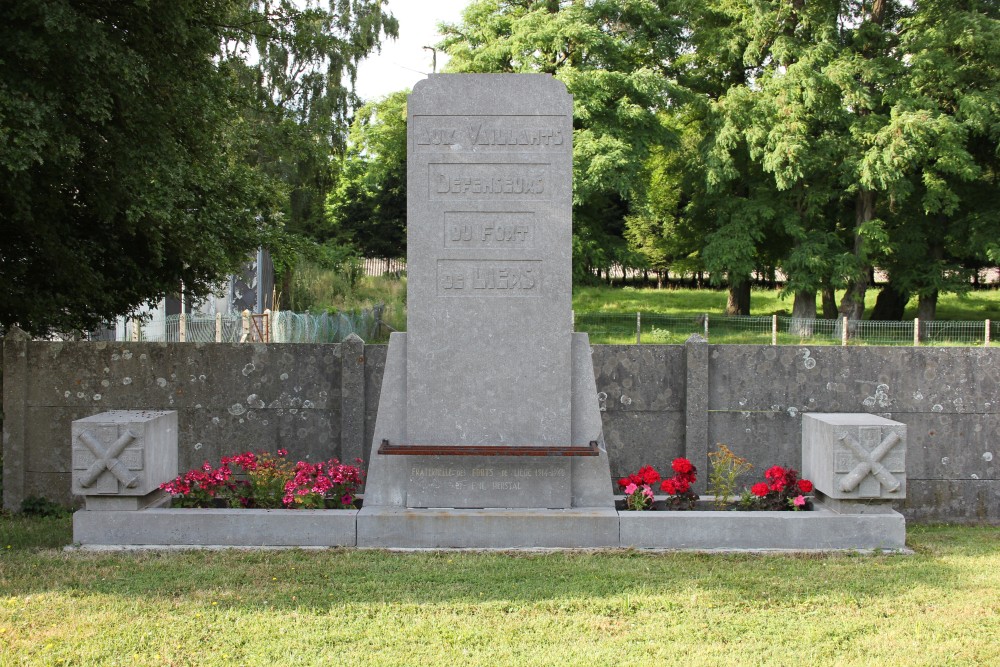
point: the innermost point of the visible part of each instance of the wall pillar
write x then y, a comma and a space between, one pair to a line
15, 406
352, 399
696, 409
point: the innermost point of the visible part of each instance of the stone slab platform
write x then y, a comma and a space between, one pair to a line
819, 530
216, 527
400, 528
395, 527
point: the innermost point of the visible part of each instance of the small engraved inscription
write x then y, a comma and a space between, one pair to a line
489, 229
492, 278
489, 133
485, 182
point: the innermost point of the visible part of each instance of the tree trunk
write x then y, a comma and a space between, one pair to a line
659, 280
803, 313
738, 302
927, 307
852, 306
829, 298
890, 304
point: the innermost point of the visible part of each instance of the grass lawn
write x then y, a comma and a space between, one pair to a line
979, 305
342, 607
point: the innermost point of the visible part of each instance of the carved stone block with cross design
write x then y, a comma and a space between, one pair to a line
854, 456
123, 454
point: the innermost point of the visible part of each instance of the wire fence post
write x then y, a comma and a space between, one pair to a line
706, 326
638, 328
843, 332
218, 327
774, 329
986, 337
916, 332
182, 328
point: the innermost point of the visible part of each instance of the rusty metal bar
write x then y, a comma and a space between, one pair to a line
488, 450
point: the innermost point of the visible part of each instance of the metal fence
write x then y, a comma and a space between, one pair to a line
621, 329
268, 327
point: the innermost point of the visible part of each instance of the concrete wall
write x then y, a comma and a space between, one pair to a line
658, 402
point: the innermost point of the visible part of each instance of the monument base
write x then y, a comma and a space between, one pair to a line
488, 482
402, 528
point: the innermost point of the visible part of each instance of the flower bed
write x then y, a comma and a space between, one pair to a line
267, 481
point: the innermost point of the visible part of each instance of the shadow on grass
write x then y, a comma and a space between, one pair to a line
331, 579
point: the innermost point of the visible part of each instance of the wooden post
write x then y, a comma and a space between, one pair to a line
774, 329
266, 333
706, 326
986, 338
916, 332
638, 328
246, 326
218, 327
135, 330
843, 332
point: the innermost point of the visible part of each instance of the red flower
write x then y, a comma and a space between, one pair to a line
805, 486
669, 486
775, 473
682, 466
623, 482
759, 489
649, 475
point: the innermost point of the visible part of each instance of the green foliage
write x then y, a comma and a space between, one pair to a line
145, 145
120, 173
42, 506
725, 470
612, 57
367, 210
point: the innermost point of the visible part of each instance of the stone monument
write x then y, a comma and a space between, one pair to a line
488, 401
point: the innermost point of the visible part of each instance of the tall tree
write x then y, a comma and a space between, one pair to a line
367, 210
298, 61
613, 57
120, 175
125, 131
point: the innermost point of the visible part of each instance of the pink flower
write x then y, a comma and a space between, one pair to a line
799, 501
646, 491
630, 489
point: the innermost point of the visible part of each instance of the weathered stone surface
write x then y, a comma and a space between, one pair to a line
633, 378
817, 530
952, 500
124, 452
696, 406
389, 527
217, 527
635, 439
488, 482
852, 456
352, 407
489, 187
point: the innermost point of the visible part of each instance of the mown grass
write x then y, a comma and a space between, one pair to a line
938, 607
978, 305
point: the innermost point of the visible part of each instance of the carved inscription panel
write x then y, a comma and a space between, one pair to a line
511, 231
489, 133
489, 239
461, 481
507, 278
489, 182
